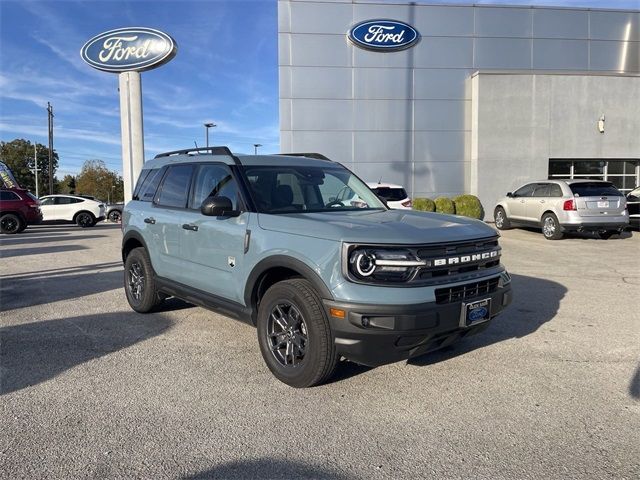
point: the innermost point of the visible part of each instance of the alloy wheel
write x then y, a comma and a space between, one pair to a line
549, 227
499, 219
9, 224
287, 334
135, 281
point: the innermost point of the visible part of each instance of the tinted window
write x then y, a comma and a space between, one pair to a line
62, 200
213, 180
175, 187
8, 196
595, 189
143, 175
542, 190
47, 201
555, 190
525, 191
150, 185
391, 194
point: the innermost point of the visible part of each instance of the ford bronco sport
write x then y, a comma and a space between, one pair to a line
264, 239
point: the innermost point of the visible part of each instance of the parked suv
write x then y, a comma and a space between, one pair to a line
395, 195
264, 239
633, 206
18, 208
82, 211
559, 206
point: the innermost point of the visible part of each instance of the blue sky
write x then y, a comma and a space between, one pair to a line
225, 72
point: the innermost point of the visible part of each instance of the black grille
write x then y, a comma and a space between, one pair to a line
463, 292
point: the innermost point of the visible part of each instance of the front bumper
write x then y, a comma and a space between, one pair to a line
398, 332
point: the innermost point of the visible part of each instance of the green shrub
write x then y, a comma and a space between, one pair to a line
445, 205
469, 206
424, 205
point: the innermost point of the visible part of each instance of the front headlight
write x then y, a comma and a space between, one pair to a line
387, 265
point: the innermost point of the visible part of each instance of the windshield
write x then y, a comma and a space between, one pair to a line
292, 189
595, 189
391, 194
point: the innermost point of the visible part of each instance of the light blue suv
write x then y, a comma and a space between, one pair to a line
265, 239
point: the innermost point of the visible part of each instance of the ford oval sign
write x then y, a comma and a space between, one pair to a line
384, 35
129, 49
478, 314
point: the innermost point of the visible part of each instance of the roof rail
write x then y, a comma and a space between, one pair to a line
317, 156
190, 151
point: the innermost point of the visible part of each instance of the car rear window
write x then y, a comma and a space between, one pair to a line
595, 189
390, 194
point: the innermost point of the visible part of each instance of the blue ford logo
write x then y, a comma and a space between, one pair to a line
383, 35
129, 49
477, 314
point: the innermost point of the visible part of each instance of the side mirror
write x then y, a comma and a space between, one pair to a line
510, 195
218, 207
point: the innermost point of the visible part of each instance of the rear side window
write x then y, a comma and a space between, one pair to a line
556, 191
149, 185
66, 200
595, 189
143, 176
542, 190
9, 196
391, 194
175, 187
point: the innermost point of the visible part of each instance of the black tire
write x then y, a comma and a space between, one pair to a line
10, 223
23, 227
85, 219
307, 334
115, 216
551, 227
501, 220
139, 282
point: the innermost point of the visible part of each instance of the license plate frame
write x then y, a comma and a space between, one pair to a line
473, 313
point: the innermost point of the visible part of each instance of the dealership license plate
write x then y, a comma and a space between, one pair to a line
476, 312
603, 204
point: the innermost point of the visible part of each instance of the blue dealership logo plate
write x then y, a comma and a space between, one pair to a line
475, 312
383, 35
129, 49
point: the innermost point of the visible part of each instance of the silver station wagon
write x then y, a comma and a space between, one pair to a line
559, 206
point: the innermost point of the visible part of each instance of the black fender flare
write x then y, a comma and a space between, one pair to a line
287, 262
132, 235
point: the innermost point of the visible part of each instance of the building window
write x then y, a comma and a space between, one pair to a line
623, 173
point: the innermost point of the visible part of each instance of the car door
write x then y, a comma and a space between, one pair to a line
538, 203
166, 220
215, 246
518, 202
51, 208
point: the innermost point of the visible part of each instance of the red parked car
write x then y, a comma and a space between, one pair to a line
18, 208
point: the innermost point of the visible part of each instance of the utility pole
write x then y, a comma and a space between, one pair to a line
50, 121
255, 148
35, 159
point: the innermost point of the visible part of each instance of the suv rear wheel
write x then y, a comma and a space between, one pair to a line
550, 227
294, 334
139, 283
11, 223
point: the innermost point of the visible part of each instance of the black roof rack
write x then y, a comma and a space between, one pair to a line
191, 151
317, 156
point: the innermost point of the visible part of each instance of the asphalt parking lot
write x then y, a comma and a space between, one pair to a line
89, 389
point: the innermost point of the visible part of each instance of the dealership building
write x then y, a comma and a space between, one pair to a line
484, 99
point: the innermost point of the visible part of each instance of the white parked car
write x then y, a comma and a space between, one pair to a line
395, 195
71, 208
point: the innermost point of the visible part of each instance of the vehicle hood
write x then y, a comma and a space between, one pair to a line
390, 226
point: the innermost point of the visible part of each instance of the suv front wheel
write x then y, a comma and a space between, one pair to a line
139, 284
294, 334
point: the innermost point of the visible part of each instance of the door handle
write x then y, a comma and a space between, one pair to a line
188, 226
150, 220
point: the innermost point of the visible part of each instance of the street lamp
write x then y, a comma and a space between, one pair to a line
207, 126
255, 148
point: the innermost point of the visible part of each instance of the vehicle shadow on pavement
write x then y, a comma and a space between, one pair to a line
18, 252
582, 235
634, 386
535, 302
270, 468
46, 239
35, 352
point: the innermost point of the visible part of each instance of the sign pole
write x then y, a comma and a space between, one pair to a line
131, 129
35, 158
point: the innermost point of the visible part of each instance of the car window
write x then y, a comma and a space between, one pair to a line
150, 185
143, 175
525, 191
62, 200
391, 194
542, 190
8, 196
555, 190
595, 189
175, 187
47, 201
213, 180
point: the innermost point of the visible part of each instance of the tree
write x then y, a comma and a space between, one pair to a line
18, 155
67, 185
97, 180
